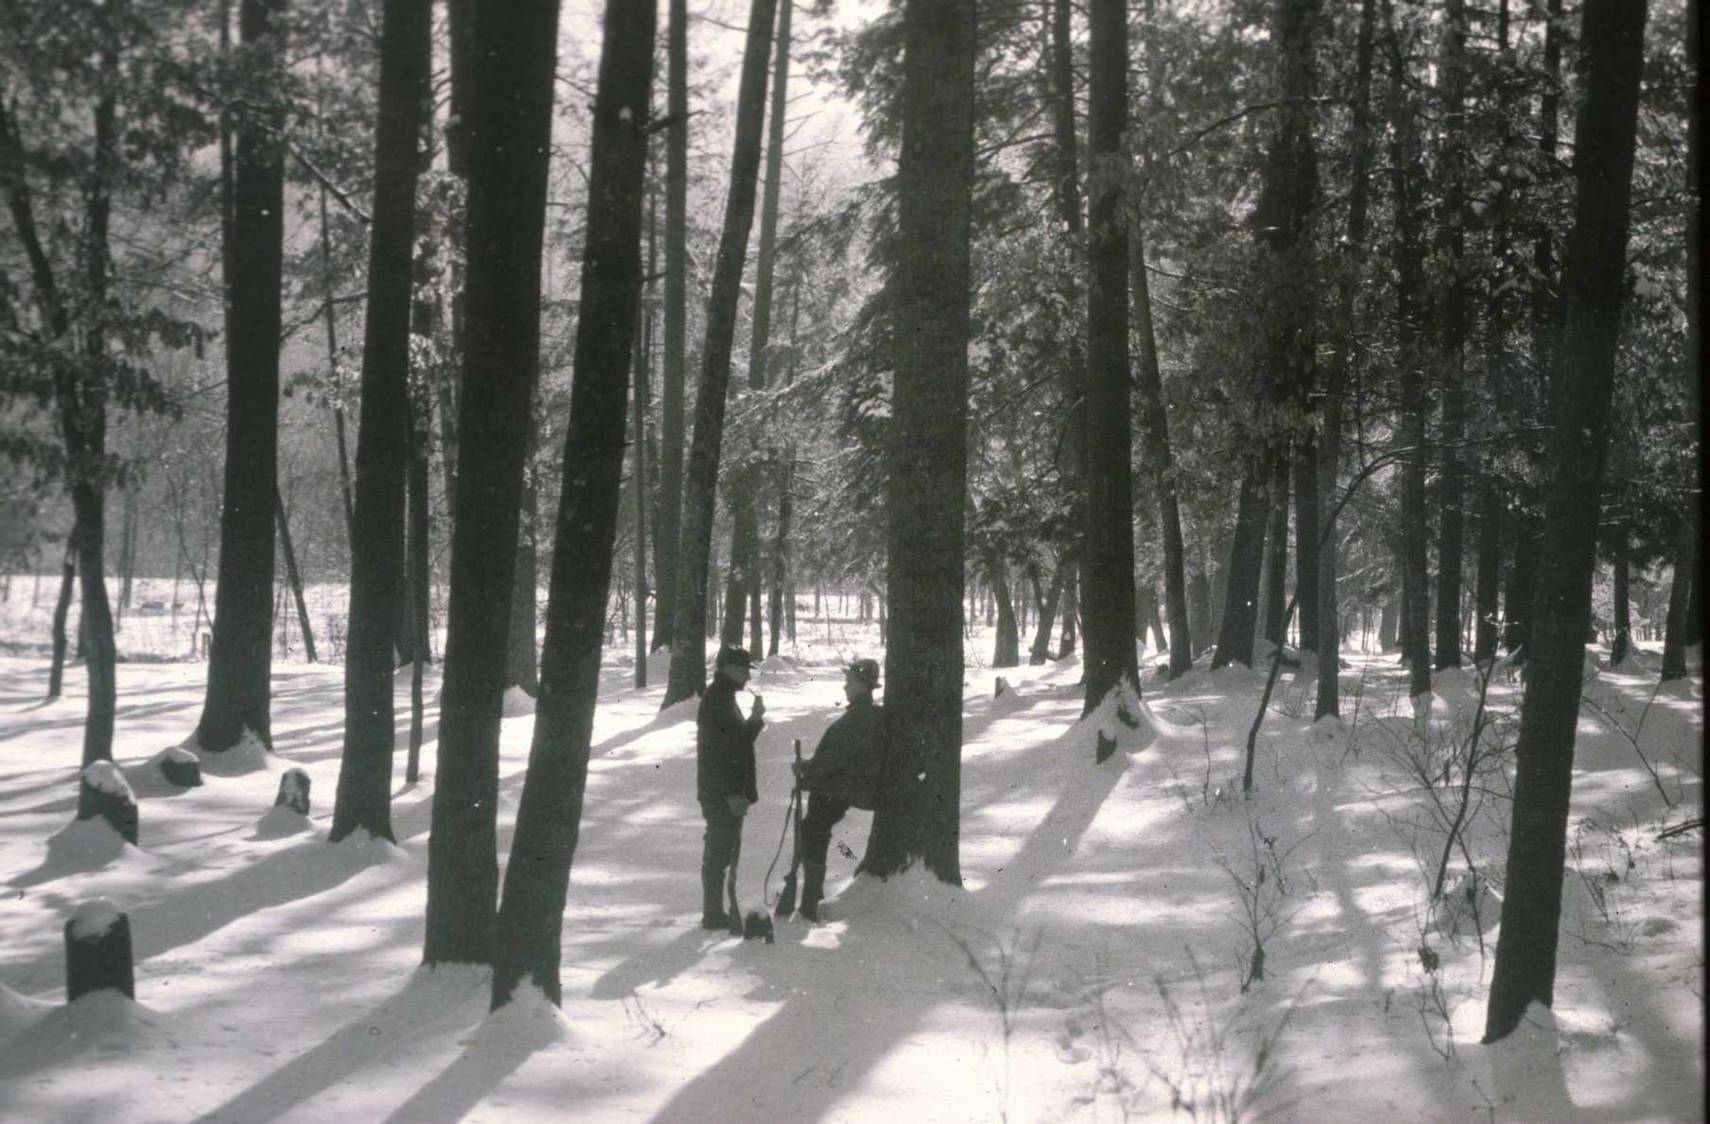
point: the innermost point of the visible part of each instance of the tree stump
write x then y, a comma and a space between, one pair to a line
181, 767
98, 950
293, 791
103, 791
1000, 688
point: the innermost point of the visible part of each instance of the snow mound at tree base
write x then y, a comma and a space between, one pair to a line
84, 845
17, 1012
279, 822
248, 755
95, 1026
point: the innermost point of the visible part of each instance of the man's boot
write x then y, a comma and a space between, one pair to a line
813, 889
712, 899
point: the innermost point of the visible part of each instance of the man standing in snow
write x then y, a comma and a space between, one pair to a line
843, 773
724, 775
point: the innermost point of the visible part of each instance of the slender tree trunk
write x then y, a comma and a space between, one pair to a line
1007, 650
1155, 419
688, 647
1686, 592
1489, 572
781, 556
1276, 555
1452, 330
521, 662
1409, 257
531, 918
1592, 293
1108, 534
919, 814
1621, 628
240, 665
1040, 650
421, 577
1307, 518
509, 150
1066, 196
643, 363
364, 796
1241, 588
330, 316
293, 576
668, 523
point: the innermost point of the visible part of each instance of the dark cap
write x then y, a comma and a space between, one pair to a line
731, 654
867, 671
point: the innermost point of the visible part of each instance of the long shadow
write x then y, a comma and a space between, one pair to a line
425, 1007
653, 965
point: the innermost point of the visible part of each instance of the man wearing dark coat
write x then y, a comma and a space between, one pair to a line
843, 773
724, 775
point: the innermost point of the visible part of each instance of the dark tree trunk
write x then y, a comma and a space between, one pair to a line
919, 813
330, 315
364, 797
1276, 556
744, 539
1199, 605
1306, 527
1007, 650
421, 578
1345, 357
62, 607
1489, 572
1066, 196
1686, 590
781, 557
1589, 320
688, 646
521, 662
1410, 431
1241, 588
240, 664
1108, 531
1621, 628
1452, 336
643, 367
549, 815
1040, 650
1522, 584
509, 149
1155, 419
293, 576
1071, 613
667, 524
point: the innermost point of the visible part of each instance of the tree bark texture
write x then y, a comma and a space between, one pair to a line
549, 815
1589, 320
363, 800
1108, 532
510, 134
668, 523
688, 645
918, 818
240, 664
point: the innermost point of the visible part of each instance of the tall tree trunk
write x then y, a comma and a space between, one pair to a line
1066, 196
521, 662
1040, 650
377, 564
688, 646
1276, 556
1155, 419
421, 577
293, 576
1108, 531
1007, 648
330, 317
1589, 321
1410, 431
531, 918
1307, 518
240, 665
1686, 592
781, 556
509, 149
1489, 577
643, 366
61, 607
667, 525
1241, 587
1621, 628
919, 813
1452, 329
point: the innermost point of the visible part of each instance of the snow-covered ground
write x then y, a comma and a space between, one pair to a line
1091, 968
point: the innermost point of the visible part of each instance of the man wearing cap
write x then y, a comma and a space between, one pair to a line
843, 773
724, 775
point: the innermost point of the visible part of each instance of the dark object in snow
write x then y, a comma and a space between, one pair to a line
181, 767
1000, 688
103, 791
293, 791
787, 896
98, 951
758, 926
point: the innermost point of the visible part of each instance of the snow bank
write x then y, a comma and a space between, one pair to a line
247, 755
280, 821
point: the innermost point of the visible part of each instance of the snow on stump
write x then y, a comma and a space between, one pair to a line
98, 950
104, 792
180, 767
293, 791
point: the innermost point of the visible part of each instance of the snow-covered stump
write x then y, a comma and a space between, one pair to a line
103, 791
180, 767
293, 791
98, 950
